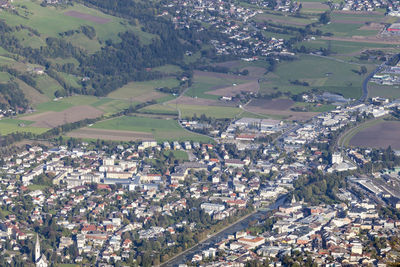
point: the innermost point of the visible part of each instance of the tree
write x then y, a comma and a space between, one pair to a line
363, 70
325, 17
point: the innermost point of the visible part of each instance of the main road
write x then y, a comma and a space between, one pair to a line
223, 234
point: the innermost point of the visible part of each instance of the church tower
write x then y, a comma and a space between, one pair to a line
40, 260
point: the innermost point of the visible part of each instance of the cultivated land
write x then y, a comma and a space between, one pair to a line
388, 91
51, 119
144, 91
114, 135
206, 83
379, 135
160, 129
321, 73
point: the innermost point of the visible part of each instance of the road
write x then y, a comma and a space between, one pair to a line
222, 234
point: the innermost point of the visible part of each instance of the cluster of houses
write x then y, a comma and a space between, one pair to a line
365, 5
232, 21
339, 234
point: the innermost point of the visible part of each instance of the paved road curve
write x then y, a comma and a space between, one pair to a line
238, 226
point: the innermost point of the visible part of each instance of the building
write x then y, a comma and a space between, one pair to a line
337, 158
40, 260
395, 28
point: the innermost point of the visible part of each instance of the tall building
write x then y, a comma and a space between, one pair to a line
337, 158
40, 260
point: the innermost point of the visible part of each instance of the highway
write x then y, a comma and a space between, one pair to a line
230, 230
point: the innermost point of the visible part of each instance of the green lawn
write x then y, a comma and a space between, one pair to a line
34, 187
161, 129
182, 155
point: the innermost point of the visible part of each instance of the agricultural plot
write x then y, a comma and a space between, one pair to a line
379, 135
143, 91
51, 119
160, 129
209, 111
207, 82
313, 7
282, 19
277, 108
320, 73
388, 91
351, 48
8, 126
114, 135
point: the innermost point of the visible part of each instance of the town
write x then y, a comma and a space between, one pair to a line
138, 202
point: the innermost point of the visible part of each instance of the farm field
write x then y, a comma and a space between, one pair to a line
388, 91
51, 119
320, 73
380, 134
207, 82
277, 108
8, 126
160, 129
114, 135
143, 91
343, 47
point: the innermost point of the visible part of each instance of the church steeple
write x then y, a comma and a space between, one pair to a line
37, 249
40, 260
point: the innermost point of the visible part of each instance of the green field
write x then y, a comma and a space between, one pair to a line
168, 69
108, 105
342, 47
321, 73
209, 111
4, 77
8, 126
162, 129
136, 89
202, 85
51, 20
48, 85
389, 91
182, 155
160, 109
